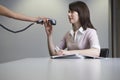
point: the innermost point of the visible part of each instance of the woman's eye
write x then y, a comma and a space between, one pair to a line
70, 11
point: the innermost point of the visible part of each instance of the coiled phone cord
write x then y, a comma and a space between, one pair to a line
18, 30
52, 21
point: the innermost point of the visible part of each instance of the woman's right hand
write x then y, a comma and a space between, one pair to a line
48, 27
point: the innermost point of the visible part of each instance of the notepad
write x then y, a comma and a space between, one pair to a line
64, 56
73, 56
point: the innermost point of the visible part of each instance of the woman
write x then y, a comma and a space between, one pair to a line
82, 39
8, 13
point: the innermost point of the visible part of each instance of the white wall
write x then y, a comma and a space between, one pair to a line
32, 42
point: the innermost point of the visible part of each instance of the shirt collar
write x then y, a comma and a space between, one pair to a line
80, 30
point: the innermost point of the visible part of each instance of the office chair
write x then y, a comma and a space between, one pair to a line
104, 52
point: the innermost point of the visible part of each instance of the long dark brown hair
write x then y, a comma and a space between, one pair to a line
83, 12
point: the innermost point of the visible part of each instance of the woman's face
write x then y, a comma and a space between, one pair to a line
73, 16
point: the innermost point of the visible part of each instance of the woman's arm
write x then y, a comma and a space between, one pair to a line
8, 13
49, 30
51, 46
93, 52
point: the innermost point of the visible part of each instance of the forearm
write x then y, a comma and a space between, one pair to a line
51, 46
8, 13
23, 17
86, 52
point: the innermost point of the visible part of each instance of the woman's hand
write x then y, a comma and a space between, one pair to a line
63, 52
48, 27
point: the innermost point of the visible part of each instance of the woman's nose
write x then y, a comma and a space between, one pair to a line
69, 14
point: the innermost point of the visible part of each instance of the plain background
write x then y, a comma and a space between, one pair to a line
32, 42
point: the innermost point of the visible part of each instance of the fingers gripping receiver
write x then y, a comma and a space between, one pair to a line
52, 21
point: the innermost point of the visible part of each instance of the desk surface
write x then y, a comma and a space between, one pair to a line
61, 69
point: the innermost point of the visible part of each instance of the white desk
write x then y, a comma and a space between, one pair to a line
61, 69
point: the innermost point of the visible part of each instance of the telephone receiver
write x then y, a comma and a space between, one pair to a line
52, 21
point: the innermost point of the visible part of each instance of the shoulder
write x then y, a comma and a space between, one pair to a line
90, 30
67, 34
